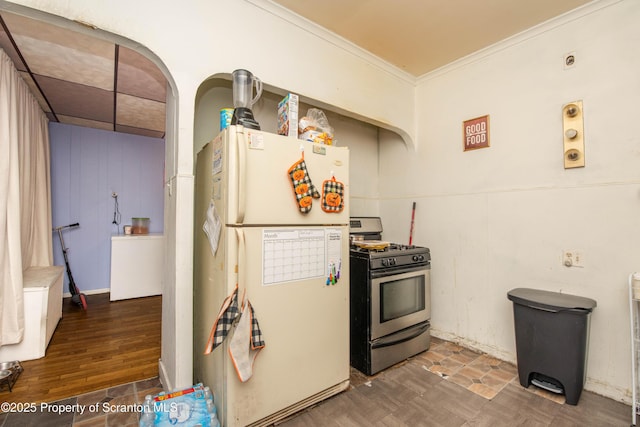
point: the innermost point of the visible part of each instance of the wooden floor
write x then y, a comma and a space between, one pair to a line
110, 344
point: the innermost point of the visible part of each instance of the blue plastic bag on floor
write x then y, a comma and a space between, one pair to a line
183, 408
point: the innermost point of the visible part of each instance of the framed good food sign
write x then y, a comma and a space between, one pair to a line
475, 133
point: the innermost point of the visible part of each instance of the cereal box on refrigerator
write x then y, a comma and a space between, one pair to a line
288, 116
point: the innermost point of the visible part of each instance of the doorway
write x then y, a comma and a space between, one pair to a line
83, 99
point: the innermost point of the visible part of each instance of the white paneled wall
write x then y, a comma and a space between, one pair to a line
87, 165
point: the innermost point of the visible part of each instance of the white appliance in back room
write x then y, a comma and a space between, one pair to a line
288, 260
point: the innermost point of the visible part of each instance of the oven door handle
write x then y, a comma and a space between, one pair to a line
400, 337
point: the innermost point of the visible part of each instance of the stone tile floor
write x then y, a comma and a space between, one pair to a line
451, 386
476, 372
479, 373
115, 406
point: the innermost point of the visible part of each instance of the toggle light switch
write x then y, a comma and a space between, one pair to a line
573, 140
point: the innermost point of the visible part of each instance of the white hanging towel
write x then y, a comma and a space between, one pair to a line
245, 343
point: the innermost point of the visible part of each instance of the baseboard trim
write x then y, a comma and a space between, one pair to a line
89, 292
164, 378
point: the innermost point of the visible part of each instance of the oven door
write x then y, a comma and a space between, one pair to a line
399, 300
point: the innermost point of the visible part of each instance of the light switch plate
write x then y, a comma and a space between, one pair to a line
573, 135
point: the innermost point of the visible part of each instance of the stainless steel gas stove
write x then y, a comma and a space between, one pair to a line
390, 298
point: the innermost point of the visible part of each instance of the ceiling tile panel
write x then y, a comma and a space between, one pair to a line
74, 76
77, 100
140, 113
7, 46
140, 77
84, 122
138, 131
61, 53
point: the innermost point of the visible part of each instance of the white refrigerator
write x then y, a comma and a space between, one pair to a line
289, 259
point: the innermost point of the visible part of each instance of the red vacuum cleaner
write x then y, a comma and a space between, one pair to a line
76, 297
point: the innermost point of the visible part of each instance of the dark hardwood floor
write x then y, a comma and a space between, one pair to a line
110, 344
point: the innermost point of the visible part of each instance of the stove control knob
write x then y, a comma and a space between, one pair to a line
392, 261
418, 258
385, 263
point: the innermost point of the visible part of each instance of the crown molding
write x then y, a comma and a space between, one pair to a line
527, 34
332, 38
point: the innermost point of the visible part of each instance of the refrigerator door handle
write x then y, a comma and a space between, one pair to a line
242, 252
241, 147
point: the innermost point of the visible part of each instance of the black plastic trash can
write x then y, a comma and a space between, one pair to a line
552, 333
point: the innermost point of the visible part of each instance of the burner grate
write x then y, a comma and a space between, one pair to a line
389, 248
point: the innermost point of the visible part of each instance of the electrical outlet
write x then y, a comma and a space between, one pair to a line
572, 259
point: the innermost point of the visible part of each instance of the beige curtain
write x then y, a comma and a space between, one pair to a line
25, 200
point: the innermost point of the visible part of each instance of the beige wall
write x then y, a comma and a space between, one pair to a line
500, 217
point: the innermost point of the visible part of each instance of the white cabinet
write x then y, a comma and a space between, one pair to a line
42, 311
137, 264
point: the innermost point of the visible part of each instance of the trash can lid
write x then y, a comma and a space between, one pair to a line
554, 301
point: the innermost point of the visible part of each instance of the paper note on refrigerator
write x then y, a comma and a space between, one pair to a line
334, 245
212, 228
298, 254
217, 158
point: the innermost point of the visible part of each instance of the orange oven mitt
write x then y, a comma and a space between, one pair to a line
304, 190
332, 196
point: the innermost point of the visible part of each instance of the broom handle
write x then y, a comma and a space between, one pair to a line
413, 217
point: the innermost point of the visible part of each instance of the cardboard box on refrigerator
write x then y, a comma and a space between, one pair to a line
288, 116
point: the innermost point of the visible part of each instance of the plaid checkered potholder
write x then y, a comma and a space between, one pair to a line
332, 196
303, 189
256, 334
228, 314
